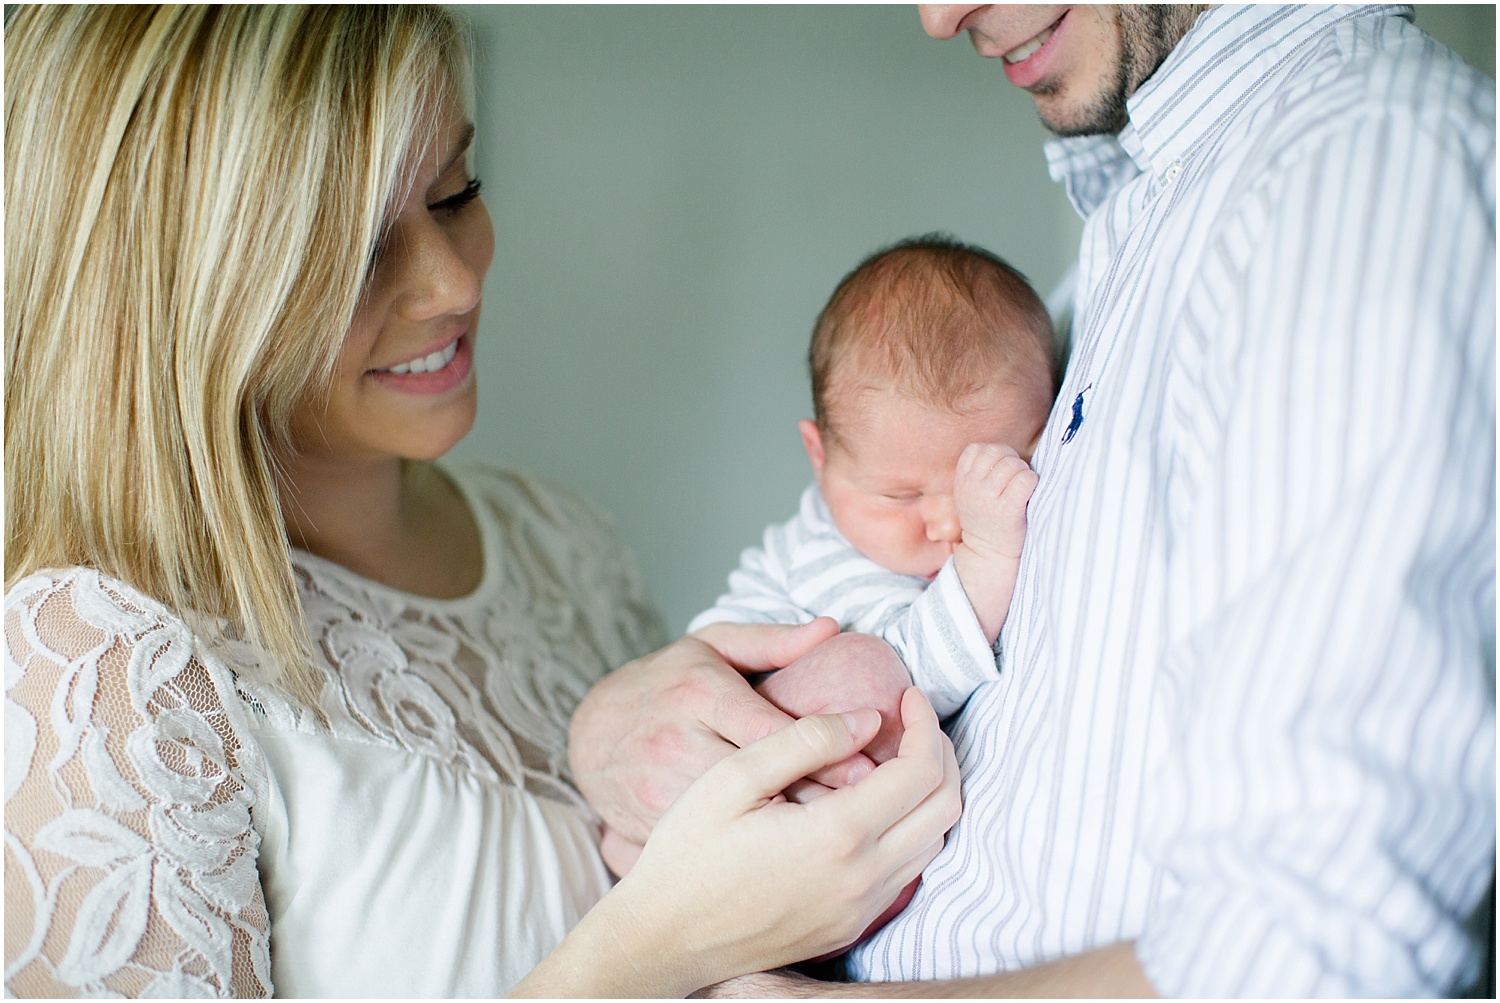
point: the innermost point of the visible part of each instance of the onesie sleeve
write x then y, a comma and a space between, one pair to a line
939, 638
805, 569
130, 856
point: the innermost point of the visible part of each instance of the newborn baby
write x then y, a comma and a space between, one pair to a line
933, 373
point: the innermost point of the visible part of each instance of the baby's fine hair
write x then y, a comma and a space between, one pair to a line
935, 319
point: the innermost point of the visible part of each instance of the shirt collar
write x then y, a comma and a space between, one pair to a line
1213, 74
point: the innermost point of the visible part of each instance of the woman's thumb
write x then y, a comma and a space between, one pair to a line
765, 768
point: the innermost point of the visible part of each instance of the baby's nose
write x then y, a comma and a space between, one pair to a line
942, 521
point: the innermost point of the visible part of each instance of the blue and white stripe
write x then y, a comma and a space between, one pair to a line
1246, 709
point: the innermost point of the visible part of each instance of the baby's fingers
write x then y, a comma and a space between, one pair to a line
803, 791
979, 458
1017, 491
985, 468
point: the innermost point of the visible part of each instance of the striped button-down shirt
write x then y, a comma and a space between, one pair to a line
806, 568
1246, 707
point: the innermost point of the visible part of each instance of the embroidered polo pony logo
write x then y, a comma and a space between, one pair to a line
1077, 415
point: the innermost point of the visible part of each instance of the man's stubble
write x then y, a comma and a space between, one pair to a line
1147, 34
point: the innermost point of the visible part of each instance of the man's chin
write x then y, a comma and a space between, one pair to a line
1068, 118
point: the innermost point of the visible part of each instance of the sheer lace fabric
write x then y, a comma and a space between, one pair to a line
127, 806
145, 766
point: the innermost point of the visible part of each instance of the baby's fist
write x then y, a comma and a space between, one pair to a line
990, 491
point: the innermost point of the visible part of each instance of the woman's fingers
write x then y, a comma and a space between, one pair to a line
803, 880
909, 803
762, 770
920, 833
899, 785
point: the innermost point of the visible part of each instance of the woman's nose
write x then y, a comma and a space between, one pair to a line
438, 280
941, 20
941, 520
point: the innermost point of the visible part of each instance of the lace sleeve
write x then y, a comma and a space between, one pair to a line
130, 858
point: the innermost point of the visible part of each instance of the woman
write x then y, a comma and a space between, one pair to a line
287, 702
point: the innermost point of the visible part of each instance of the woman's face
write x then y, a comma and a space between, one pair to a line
404, 382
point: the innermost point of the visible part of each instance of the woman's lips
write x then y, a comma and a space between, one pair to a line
420, 376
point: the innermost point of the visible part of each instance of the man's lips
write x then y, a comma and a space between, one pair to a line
1027, 49
1029, 63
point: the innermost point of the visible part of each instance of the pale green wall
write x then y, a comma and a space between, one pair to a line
676, 190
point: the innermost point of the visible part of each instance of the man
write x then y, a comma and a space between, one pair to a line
1243, 740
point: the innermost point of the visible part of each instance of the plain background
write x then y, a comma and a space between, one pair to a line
677, 190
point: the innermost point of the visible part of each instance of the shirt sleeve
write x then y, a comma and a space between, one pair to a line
1326, 810
130, 857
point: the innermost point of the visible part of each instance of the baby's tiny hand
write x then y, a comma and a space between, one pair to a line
846, 672
990, 491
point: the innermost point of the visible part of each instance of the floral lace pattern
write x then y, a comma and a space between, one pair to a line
128, 810
133, 780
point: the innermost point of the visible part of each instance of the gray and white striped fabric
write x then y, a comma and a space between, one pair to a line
1246, 707
805, 568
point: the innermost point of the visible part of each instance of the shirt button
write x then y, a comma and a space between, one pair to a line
1171, 174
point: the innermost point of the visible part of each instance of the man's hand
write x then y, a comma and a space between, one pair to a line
783, 983
650, 728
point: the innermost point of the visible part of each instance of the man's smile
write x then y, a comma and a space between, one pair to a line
1027, 49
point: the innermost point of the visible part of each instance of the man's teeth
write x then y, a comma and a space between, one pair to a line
1021, 53
427, 363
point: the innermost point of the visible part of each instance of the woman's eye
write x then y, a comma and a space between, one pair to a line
453, 203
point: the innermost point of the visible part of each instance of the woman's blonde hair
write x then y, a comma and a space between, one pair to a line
193, 198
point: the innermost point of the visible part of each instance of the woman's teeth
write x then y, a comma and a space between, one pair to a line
427, 363
1021, 53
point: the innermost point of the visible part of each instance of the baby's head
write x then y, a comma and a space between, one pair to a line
927, 346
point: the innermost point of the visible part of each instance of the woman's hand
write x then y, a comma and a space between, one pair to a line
652, 727
737, 879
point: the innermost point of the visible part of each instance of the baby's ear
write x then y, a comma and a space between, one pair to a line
812, 441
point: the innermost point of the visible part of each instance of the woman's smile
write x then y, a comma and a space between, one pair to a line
433, 373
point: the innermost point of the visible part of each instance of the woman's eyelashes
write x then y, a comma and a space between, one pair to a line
453, 203
450, 205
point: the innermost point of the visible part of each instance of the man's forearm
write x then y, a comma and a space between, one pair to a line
1108, 972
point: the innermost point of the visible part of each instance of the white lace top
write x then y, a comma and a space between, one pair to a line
176, 826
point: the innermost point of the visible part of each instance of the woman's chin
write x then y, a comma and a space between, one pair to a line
439, 437
437, 447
